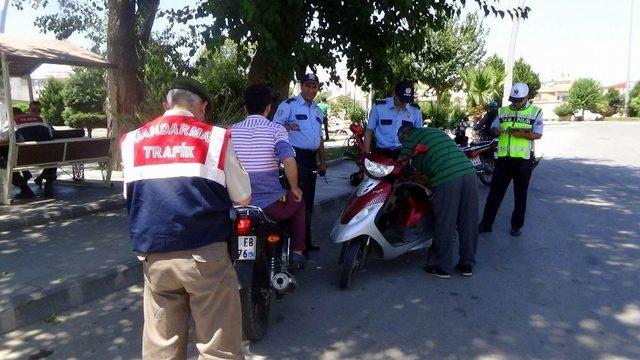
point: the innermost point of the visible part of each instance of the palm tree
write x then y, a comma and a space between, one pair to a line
483, 84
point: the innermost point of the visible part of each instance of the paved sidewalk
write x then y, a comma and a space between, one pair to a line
47, 268
70, 201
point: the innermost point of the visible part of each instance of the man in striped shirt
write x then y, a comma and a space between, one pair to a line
261, 145
455, 197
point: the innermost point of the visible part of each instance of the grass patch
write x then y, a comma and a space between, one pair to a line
335, 153
629, 119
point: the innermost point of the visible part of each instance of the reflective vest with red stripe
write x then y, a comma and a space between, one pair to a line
175, 184
32, 128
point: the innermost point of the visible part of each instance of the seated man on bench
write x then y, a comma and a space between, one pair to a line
29, 128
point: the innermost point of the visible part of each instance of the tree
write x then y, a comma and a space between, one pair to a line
634, 100
163, 63
52, 101
84, 96
482, 85
125, 26
496, 63
291, 36
522, 72
225, 77
613, 103
348, 109
563, 109
450, 51
586, 94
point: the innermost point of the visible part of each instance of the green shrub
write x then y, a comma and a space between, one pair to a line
22, 106
437, 114
85, 90
634, 106
346, 108
563, 109
89, 121
52, 101
445, 117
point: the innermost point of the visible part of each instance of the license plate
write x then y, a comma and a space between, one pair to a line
476, 161
247, 247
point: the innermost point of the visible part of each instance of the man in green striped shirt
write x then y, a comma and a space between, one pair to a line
455, 197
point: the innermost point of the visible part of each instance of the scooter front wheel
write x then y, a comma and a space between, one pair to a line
352, 260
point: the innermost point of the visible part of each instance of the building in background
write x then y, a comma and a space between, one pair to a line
20, 86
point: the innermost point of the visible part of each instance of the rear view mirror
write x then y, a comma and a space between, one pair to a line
420, 149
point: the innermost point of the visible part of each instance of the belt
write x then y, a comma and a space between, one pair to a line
305, 152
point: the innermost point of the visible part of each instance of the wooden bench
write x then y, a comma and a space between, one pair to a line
59, 153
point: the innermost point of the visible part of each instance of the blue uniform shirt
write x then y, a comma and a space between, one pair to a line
304, 122
385, 120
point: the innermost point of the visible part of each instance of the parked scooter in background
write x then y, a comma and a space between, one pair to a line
482, 155
384, 218
460, 133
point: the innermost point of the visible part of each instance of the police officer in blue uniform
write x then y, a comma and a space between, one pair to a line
303, 119
386, 118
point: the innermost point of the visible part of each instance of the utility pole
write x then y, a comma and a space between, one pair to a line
628, 87
510, 59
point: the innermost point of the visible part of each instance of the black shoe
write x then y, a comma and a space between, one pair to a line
482, 228
48, 189
516, 232
298, 261
38, 181
313, 247
26, 193
26, 175
464, 269
436, 271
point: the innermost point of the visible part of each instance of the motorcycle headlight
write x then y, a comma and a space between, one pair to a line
377, 169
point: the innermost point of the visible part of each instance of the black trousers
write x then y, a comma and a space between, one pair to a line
507, 169
307, 161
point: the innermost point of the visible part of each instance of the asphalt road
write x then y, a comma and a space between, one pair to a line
568, 288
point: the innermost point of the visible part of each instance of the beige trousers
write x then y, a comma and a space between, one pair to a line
201, 283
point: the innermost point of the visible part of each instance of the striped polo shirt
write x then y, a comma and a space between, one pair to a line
261, 145
443, 161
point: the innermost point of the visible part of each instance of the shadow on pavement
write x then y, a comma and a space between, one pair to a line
568, 288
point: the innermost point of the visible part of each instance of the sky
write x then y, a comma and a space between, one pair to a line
560, 39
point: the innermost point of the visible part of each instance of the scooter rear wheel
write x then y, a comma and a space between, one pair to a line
351, 262
255, 313
488, 166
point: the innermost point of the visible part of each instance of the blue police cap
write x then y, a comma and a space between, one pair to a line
310, 78
404, 91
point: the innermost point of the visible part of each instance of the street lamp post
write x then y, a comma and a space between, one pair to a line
628, 87
510, 59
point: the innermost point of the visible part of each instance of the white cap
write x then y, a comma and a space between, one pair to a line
519, 91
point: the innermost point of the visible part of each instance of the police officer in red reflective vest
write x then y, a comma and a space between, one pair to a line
181, 178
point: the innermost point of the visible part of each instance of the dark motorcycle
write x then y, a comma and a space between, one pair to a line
482, 155
460, 134
260, 248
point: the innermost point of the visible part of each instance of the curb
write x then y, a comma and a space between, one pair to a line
31, 305
111, 203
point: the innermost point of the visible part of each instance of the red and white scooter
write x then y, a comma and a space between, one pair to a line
383, 218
